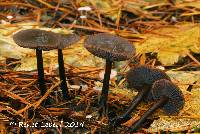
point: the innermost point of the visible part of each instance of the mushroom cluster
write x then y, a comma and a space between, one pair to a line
151, 84
167, 96
46, 40
140, 78
107, 46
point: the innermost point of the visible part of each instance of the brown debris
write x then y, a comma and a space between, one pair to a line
129, 19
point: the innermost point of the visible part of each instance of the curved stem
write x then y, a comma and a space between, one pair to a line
133, 105
40, 68
105, 88
62, 74
137, 100
157, 105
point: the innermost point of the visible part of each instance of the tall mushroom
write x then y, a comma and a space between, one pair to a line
169, 98
39, 40
112, 48
140, 78
65, 41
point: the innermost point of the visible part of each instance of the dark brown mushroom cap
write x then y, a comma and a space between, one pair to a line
35, 38
109, 47
67, 40
141, 75
166, 88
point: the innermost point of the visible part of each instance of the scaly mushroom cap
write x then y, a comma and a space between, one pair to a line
35, 38
166, 88
67, 40
109, 47
141, 75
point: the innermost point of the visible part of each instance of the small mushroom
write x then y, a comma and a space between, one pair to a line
140, 78
39, 40
169, 98
65, 41
112, 48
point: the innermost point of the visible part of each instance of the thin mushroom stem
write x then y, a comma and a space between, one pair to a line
137, 100
157, 105
105, 88
62, 75
133, 105
41, 81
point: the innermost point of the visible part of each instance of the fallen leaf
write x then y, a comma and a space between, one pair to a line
107, 8
173, 125
194, 4
168, 58
26, 65
76, 55
172, 42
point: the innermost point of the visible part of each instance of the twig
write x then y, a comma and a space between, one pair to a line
54, 7
14, 96
87, 28
36, 104
194, 59
95, 128
18, 4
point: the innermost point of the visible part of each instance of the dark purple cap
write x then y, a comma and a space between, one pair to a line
67, 40
166, 88
35, 38
109, 47
143, 76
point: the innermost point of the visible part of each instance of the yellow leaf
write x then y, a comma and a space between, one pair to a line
194, 4
26, 65
107, 8
12, 50
171, 42
168, 58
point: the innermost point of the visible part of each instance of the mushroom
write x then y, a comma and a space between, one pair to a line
66, 40
112, 48
140, 78
169, 98
39, 40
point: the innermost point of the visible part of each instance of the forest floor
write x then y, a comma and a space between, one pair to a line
165, 34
